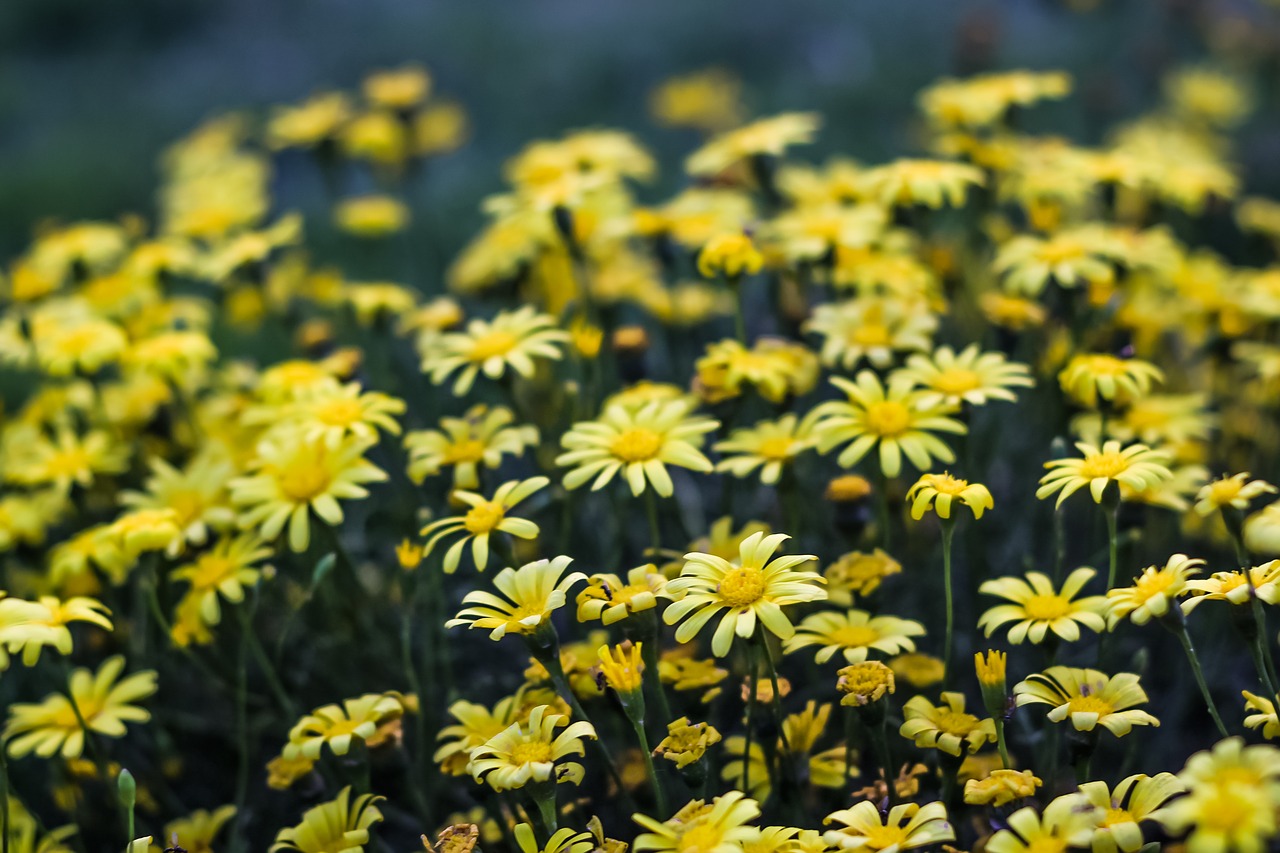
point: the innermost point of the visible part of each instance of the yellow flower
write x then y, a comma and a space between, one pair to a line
485, 517
65, 346
310, 123
864, 683
917, 669
397, 88
476, 725
68, 459
533, 591
51, 728
858, 573
1126, 806
847, 488
768, 446
1068, 258
338, 725
1001, 787
481, 437
991, 668
1154, 591
196, 493
291, 477
609, 599
732, 255
854, 634
1067, 822
223, 571
561, 841
893, 418
938, 491
1136, 466
1088, 697
197, 832
342, 825
709, 100
905, 826
621, 666
699, 827
677, 668
638, 443
145, 530
970, 376
932, 183
945, 727
1119, 381
774, 367
873, 328
180, 357
1209, 95
439, 127
1262, 530
686, 742
29, 626
983, 100
1234, 790
1235, 491
765, 137
1233, 587
528, 752
1037, 608
371, 215
755, 587
1012, 312
513, 339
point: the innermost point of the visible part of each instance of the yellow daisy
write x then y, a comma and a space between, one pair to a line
1235, 491
970, 376
905, 827
871, 328
532, 592
341, 824
338, 725
1087, 697
764, 137
481, 437
223, 572
1154, 591
1067, 822
939, 491
1119, 381
529, 751
932, 183
1136, 466
1126, 806
946, 727
700, 827
767, 446
485, 517
610, 599
854, 634
1038, 608
1233, 587
513, 339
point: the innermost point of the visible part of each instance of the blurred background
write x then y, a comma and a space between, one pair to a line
91, 91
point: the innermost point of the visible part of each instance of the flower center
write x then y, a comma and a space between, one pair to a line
1106, 465
880, 837
1090, 705
636, 445
854, 635
302, 483
188, 504
483, 517
1154, 584
1060, 250
68, 463
1106, 365
947, 485
1224, 491
465, 450
956, 380
741, 586
340, 413
1046, 845
1046, 607
699, 839
1115, 816
956, 722
531, 752
888, 418
1227, 813
871, 335
495, 343
211, 570
778, 449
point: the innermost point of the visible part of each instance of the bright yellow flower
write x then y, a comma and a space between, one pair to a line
732, 255
513, 339
375, 302
1154, 591
1037, 608
774, 367
854, 634
905, 827
1233, 587
485, 517
1001, 787
932, 183
754, 587
1067, 822
1234, 790
341, 825
197, 494
338, 725
307, 125
29, 626
874, 328
481, 437
1068, 258
51, 728
699, 827
638, 443
917, 669
1119, 381
893, 418
939, 491
532, 591
223, 572
764, 137
1235, 491
767, 446
476, 725
686, 742
68, 459
608, 598
561, 841
622, 667
970, 376
858, 573
1136, 466
1088, 698
683, 672
197, 832
982, 100
397, 88
1264, 716
864, 683
528, 752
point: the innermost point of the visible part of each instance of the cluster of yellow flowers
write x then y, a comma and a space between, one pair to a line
743, 412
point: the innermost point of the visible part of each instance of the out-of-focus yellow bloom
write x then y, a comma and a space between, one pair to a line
872, 328
476, 725
311, 123
708, 100
533, 591
371, 215
29, 626
939, 491
1233, 790
918, 670
858, 573
1037, 608
513, 339
399, 88
932, 183
1235, 491
1208, 95
342, 823
337, 725
774, 367
767, 446
983, 100
1088, 377
1066, 822
970, 376
732, 255
765, 137
1233, 586
481, 437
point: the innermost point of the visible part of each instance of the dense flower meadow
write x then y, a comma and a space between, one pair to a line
815, 507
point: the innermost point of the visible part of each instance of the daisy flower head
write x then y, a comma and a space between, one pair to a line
753, 587
721, 826
1037, 608
946, 727
532, 592
105, 701
858, 573
970, 376
939, 491
484, 517
686, 742
475, 725
1136, 466
338, 725
767, 137
333, 412
290, 477
481, 437
639, 444
892, 418
773, 367
1235, 492
932, 183
732, 254
855, 634
29, 626
768, 446
1233, 587
1231, 804
1088, 698
905, 827
512, 339
1126, 806
528, 752
1069, 258
871, 329
1001, 787
1066, 822
1154, 591
341, 824
610, 599
223, 572
1089, 377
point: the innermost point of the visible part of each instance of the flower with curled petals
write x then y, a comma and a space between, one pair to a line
1088, 698
1038, 608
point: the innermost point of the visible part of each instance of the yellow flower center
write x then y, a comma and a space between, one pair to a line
1046, 607
636, 445
212, 570
1223, 492
188, 504
888, 418
465, 450
956, 722
1153, 584
69, 463
496, 343
871, 335
532, 752
947, 485
1059, 250
1106, 465
1090, 704
484, 517
1234, 580
956, 381
1106, 365
742, 586
699, 839
304, 482
854, 635
1225, 813
1116, 816
1046, 845
340, 413
880, 837
778, 449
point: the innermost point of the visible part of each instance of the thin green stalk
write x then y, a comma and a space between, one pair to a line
751, 708
649, 653
658, 792
1267, 669
655, 530
740, 309
773, 682
1178, 627
95, 751
543, 795
948, 531
850, 743
883, 755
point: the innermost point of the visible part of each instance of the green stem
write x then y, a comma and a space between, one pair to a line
948, 530
1113, 543
886, 760
850, 744
658, 792
751, 708
1000, 743
544, 795
417, 766
655, 530
1179, 628
1267, 669
649, 653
